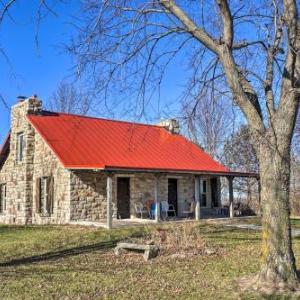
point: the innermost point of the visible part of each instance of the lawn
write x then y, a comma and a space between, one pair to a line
68, 262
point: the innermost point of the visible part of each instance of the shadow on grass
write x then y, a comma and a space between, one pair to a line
102, 246
54, 255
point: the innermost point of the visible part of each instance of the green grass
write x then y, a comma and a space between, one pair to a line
295, 222
65, 262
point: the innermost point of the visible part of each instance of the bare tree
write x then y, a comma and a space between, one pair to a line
253, 45
239, 155
69, 100
210, 121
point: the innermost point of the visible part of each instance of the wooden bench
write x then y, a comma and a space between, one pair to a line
150, 251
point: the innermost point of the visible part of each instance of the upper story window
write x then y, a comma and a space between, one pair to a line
20, 146
2, 198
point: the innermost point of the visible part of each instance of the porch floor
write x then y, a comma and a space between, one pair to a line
134, 222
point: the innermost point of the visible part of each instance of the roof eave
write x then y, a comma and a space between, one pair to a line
194, 172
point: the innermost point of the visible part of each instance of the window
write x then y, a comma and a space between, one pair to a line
20, 146
204, 193
2, 198
44, 196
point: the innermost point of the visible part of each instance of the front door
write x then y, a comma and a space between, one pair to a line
172, 192
123, 198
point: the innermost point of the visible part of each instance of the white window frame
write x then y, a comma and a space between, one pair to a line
44, 196
20, 146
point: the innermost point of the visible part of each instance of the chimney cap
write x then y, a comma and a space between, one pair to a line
21, 98
172, 125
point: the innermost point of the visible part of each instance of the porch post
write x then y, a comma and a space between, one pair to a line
156, 199
197, 198
230, 186
109, 201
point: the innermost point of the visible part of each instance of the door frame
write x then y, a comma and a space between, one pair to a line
177, 192
129, 189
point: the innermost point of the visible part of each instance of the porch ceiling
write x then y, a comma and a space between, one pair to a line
195, 172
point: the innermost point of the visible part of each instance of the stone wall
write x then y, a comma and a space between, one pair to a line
20, 177
142, 189
88, 193
88, 196
46, 164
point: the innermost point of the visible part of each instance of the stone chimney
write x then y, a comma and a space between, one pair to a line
172, 125
28, 105
22, 174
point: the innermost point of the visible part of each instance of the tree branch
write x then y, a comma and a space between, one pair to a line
227, 22
190, 26
5, 9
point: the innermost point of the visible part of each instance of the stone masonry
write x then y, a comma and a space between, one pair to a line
88, 193
20, 177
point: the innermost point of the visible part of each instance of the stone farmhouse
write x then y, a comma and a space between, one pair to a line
58, 168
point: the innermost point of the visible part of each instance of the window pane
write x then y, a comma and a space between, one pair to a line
203, 200
204, 186
43, 196
2, 198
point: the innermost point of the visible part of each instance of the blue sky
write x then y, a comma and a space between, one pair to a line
32, 69
38, 69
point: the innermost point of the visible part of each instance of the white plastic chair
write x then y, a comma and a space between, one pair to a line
140, 209
164, 209
191, 212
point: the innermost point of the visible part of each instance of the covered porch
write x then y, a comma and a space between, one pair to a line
134, 196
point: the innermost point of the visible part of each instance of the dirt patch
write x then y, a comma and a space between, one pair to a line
251, 284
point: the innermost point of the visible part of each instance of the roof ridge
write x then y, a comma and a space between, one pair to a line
103, 119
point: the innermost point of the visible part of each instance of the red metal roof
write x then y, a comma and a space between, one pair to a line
92, 143
4, 149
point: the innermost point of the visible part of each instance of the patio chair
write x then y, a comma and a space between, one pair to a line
191, 212
141, 210
164, 209
172, 210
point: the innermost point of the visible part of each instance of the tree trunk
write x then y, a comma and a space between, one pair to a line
278, 262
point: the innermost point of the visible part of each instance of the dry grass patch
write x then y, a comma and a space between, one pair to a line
179, 241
